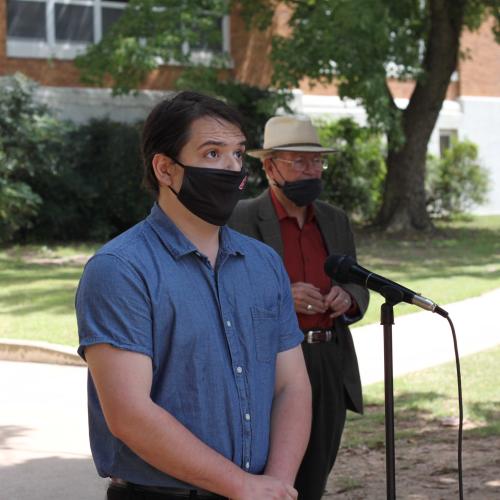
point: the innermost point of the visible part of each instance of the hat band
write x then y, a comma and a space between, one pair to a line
294, 144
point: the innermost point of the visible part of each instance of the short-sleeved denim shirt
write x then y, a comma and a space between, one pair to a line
213, 335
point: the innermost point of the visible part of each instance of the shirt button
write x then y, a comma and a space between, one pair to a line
247, 465
228, 323
247, 416
239, 369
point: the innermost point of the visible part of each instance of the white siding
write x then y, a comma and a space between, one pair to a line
474, 118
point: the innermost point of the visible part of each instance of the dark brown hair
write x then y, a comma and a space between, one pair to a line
167, 128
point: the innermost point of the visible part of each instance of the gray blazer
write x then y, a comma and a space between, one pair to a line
257, 218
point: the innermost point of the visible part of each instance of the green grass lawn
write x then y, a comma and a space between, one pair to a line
461, 260
423, 398
37, 299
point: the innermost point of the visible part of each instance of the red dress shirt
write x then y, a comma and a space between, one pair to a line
304, 254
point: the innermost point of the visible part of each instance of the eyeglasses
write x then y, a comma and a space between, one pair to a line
316, 164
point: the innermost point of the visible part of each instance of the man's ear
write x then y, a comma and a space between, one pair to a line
267, 165
163, 168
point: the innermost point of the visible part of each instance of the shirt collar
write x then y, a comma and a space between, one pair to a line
229, 242
281, 212
177, 243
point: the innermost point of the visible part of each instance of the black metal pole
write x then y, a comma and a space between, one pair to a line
387, 320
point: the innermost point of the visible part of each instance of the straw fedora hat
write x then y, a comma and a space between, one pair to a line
290, 133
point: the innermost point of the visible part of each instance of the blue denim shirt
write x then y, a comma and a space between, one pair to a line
213, 336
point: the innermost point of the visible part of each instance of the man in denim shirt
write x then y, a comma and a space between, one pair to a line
197, 385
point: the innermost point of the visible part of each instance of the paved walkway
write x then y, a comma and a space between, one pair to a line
43, 418
423, 339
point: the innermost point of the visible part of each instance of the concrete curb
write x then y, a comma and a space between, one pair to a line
39, 352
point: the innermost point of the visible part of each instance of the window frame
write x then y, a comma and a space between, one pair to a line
447, 135
52, 49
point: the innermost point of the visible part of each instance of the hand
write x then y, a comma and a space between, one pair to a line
308, 299
266, 488
338, 300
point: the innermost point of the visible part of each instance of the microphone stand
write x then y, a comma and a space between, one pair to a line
392, 297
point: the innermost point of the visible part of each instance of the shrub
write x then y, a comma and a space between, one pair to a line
355, 174
60, 181
456, 181
18, 204
29, 139
95, 193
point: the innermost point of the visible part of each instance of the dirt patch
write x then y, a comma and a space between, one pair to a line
49, 258
71, 260
426, 469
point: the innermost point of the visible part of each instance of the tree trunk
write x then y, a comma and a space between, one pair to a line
404, 201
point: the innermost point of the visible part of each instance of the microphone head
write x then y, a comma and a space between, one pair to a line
338, 267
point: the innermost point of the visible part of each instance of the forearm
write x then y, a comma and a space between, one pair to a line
163, 442
290, 429
123, 382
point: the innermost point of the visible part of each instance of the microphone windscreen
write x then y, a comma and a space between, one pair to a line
339, 267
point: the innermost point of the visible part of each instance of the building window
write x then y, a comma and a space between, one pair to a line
59, 29
23, 19
62, 29
446, 137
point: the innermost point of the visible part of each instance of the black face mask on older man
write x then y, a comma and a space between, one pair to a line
302, 192
211, 193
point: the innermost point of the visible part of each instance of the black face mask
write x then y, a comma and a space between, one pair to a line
302, 192
211, 193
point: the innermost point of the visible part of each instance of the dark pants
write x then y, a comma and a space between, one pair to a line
134, 492
324, 365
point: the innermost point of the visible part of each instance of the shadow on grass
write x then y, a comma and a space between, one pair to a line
59, 300
18, 272
31, 288
453, 247
415, 420
488, 417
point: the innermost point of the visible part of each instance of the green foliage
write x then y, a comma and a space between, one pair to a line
18, 204
95, 193
456, 182
59, 181
29, 136
359, 44
151, 33
355, 174
255, 105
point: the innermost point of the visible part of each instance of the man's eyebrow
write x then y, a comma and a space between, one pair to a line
219, 143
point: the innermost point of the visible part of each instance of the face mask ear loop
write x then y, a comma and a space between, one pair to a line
180, 165
176, 194
274, 180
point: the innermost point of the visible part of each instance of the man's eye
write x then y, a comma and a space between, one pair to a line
212, 154
238, 154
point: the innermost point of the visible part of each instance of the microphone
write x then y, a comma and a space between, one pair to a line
345, 269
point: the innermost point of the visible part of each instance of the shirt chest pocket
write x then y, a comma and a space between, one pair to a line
266, 333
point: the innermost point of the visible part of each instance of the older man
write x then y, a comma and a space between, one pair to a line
304, 232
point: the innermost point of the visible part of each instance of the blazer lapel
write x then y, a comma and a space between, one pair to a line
328, 229
268, 223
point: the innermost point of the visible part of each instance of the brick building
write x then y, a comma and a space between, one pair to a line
41, 37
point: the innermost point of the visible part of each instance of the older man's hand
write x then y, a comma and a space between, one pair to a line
339, 301
308, 299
